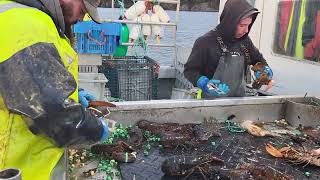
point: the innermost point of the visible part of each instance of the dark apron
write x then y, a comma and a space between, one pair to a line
230, 71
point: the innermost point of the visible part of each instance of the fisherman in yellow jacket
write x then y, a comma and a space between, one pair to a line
39, 109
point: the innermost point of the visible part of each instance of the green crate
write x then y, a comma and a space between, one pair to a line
131, 78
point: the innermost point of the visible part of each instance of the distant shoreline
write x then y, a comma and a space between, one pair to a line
197, 11
185, 5
186, 10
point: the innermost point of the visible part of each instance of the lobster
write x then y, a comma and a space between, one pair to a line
294, 155
263, 79
182, 165
171, 134
121, 151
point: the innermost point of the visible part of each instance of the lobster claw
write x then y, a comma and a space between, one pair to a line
100, 108
273, 151
95, 104
315, 152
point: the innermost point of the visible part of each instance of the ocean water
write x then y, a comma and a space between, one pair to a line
191, 25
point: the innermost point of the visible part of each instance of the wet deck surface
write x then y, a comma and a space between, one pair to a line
236, 149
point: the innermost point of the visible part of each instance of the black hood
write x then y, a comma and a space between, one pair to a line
233, 12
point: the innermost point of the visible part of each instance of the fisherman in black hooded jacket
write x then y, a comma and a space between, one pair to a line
225, 53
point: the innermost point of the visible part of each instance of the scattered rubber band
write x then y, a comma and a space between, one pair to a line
234, 127
126, 158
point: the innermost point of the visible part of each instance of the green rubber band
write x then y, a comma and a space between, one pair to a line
234, 128
126, 157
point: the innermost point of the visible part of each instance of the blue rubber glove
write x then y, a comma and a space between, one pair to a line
85, 97
213, 87
202, 83
267, 70
218, 89
105, 130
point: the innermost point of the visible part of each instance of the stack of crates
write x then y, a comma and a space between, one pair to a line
93, 38
131, 78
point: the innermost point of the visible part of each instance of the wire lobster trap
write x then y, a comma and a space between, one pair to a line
131, 78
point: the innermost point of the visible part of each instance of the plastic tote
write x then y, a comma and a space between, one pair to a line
93, 38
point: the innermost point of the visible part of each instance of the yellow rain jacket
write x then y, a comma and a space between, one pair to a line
38, 93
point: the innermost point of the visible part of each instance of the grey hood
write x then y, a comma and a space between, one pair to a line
50, 7
233, 12
55, 12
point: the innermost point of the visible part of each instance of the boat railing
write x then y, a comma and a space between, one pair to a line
173, 24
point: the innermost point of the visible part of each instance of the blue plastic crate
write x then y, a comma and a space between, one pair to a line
93, 38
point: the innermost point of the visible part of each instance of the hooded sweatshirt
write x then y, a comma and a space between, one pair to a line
206, 51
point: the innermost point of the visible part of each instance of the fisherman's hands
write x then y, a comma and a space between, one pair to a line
213, 87
263, 76
217, 88
267, 70
85, 97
